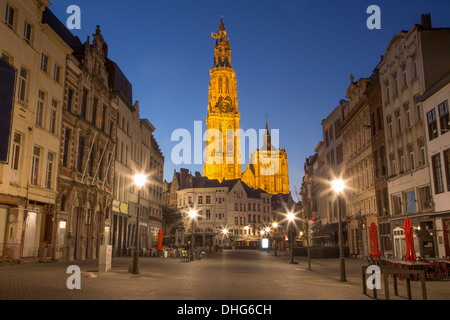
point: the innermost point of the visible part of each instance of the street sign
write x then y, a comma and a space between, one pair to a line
7, 84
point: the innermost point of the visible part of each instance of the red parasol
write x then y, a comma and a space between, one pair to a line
410, 254
160, 239
374, 252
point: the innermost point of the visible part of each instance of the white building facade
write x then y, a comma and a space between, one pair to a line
412, 62
229, 213
435, 103
28, 187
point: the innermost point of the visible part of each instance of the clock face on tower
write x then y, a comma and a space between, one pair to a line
225, 105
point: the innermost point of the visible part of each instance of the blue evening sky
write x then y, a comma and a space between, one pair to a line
292, 58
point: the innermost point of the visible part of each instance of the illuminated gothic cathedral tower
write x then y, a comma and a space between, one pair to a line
267, 167
224, 162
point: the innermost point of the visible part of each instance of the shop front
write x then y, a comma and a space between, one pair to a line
38, 227
119, 229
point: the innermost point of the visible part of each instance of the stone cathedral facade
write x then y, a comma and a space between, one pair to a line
267, 168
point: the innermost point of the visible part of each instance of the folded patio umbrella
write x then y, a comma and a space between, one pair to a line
160, 239
375, 251
410, 254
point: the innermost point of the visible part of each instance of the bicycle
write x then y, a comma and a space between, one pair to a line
200, 254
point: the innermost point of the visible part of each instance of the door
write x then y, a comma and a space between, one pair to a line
114, 236
97, 227
446, 224
31, 237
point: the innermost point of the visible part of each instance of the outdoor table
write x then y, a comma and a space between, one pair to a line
410, 265
415, 265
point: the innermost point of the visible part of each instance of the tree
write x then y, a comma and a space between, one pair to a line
170, 219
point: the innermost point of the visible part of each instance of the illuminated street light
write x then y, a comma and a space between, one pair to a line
338, 186
139, 181
291, 216
225, 236
192, 213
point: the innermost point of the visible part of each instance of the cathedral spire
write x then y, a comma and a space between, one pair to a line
222, 52
267, 138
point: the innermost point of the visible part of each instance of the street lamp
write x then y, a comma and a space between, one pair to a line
139, 181
224, 237
275, 225
192, 214
338, 186
307, 243
291, 217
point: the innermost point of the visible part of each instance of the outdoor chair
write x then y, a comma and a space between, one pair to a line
443, 270
184, 256
381, 262
437, 273
370, 260
430, 271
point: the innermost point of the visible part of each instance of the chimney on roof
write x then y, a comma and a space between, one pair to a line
426, 21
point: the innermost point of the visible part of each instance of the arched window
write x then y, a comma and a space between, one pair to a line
227, 85
220, 84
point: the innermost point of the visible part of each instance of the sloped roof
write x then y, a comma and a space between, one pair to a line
48, 17
204, 182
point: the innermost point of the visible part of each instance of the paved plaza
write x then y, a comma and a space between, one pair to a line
227, 275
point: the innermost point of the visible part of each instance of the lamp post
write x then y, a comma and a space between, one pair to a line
268, 237
338, 186
307, 244
139, 181
275, 225
225, 236
291, 217
192, 214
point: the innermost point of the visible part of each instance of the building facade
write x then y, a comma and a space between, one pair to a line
28, 181
86, 166
435, 107
137, 152
155, 168
66, 188
318, 199
414, 60
228, 205
377, 141
360, 194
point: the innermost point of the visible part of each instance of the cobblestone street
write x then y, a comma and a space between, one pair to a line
227, 275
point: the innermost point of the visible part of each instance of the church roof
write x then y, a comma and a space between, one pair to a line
204, 182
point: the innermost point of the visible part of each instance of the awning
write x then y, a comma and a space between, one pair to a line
237, 238
329, 229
